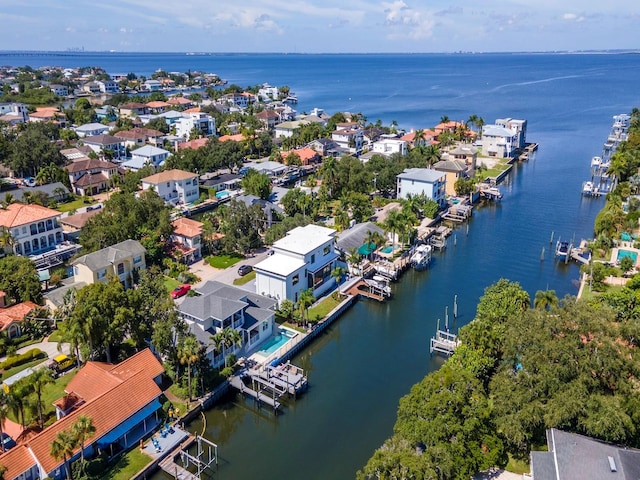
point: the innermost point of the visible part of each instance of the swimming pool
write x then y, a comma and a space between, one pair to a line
222, 194
275, 342
628, 254
388, 249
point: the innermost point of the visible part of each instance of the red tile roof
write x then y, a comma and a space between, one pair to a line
158, 104
15, 313
179, 101
193, 144
185, 227
79, 219
306, 154
17, 214
238, 137
17, 460
106, 412
192, 110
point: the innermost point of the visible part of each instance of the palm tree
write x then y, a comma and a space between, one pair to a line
444, 119
218, 343
4, 414
432, 154
38, 380
337, 273
189, 353
62, 448
370, 241
231, 337
6, 240
392, 224
305, 300
419, 137
545, 299
82, 430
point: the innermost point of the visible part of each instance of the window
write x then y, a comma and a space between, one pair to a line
313, 258
168, 184
326, 250
137, 259
265, 326
102, 273
295, 280
120, 268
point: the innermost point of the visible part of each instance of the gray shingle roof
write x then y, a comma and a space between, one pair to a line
110, 255
210, 305
355, 236
421, 174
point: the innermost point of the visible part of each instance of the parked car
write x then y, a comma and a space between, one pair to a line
180, 290
270, 252
7, 441
62, 363
244, 269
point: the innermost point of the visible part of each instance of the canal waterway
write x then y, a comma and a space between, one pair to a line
372, 355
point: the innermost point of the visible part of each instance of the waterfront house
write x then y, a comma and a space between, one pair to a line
498, 141
11, 316
72, 225
123, 402
91, 87
428, 137
103, 143
117, 261
571, 456
303, 259
269, 118
91, 129
221, 181
108, 86
34, 229
517, 126
158, 106
288, 129
174, 186
422, 181
465, 152
200, 121
91, 176
187, 239
269, 168
59, 90
221, 306
453, 169
152, 85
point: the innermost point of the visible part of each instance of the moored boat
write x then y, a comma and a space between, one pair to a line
421, 257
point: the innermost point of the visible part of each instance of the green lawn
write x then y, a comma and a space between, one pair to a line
130, 464
246, 279
170, 283
56, 335
323, 308
517, 466
12, 371
74, 205
224, 261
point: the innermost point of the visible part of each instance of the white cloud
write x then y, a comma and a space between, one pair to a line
405, 21
572, 17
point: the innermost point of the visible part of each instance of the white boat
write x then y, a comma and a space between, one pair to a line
596, 161
421, 257
587, 188
379, 284
563, 249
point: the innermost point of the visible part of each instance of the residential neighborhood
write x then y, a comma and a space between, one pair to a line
178, 244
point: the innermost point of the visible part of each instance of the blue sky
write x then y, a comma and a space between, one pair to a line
312, 26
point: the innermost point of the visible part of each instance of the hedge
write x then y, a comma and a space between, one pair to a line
16, 360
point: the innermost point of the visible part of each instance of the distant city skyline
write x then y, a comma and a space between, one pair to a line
320, 26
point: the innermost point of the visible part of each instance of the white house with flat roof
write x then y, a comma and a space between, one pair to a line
303, 259
174, 186
422, 181
503, 138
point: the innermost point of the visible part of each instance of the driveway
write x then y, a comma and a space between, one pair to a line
227, 275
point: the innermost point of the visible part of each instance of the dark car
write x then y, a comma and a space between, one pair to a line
7, 441
180, 290
244, 269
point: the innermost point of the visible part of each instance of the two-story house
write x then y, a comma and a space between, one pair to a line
91, 129
269, 118
132, 109
518, 126
498, 141
117, 261
221, 306
389, 146
59, 90
34, 229
174, 186
187, 238
10, 111
348, 135
422, 181
91, 176
303, 259
138, 137
100, 144
108, 86
146, 156
204, 122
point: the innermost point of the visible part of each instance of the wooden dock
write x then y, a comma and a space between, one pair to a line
172, 468
361, 289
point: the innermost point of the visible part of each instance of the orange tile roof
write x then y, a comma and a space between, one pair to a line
185, 227
305, 154
17, 214
169, 175
158, 104
179, 101
192, 110
138, 132
17, 460
143, 361
106, 411
78, 220
193, 144
92, 381
238, 137
15, 313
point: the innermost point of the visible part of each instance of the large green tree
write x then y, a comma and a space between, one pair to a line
19, 279
257, 183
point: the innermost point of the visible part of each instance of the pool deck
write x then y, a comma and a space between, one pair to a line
616, 251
